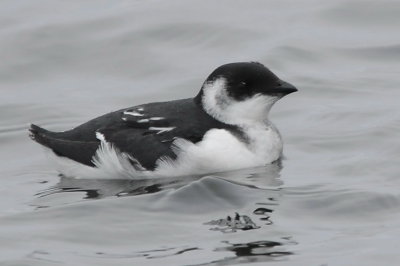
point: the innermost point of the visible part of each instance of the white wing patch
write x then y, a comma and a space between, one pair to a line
132, 113
100, 136
156, 118
161, 129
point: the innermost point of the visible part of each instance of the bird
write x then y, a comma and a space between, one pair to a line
224, 127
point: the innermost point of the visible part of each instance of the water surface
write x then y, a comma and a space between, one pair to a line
333, 201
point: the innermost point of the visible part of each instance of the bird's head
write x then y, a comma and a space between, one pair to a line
241, 93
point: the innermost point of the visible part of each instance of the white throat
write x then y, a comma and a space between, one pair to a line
217, 103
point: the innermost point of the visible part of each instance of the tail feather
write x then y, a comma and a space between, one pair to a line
80, 151
38, 134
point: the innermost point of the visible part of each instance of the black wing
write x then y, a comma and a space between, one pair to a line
145, 132
79, 150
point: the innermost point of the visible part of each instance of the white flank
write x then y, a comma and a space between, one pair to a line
218, 151
109, 162
100, 136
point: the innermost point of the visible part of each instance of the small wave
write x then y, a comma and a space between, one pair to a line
344, 204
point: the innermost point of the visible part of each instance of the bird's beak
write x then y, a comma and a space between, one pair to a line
284, 88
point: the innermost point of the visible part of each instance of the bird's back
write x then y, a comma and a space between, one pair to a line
145, 132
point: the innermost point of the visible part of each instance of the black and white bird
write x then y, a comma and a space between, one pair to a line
225, 127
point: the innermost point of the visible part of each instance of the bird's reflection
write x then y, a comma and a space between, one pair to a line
99, 188
257, 251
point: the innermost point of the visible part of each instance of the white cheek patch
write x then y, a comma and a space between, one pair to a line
217, 103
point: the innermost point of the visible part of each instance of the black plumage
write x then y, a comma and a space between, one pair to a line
136, 135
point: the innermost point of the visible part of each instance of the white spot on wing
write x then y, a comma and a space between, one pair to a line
143, 121
100, 136
133, 113
156, 118
161, 129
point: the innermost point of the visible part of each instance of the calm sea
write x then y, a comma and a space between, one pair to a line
335, 200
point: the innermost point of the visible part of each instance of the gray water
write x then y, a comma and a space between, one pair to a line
335, 199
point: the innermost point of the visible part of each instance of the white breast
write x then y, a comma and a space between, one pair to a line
265, 141
220, 151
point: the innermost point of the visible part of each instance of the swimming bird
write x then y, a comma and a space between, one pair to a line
224, 127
